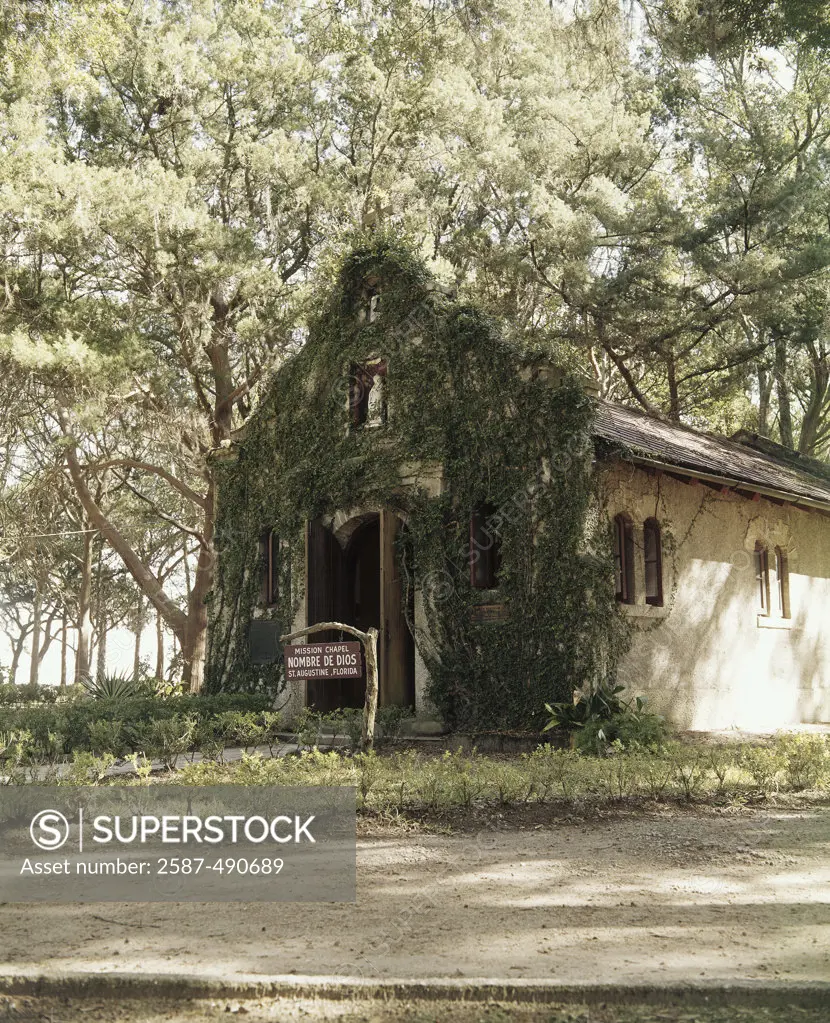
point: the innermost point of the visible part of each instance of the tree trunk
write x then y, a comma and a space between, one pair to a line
674, 394
132, 562
82, 656
17, 652
193, 652
189, 629
814, 412
194, 644
64, 646
139, 628
101, 618
765, 382
159, 646
34, 666
782, 391
100, 664
47, 634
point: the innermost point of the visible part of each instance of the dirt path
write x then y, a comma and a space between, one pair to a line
664, 897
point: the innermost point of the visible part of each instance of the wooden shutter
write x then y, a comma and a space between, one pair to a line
324, 580
653, 558
624, 558
397, 661
485, 549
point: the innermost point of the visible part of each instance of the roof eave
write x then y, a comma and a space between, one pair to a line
733, 483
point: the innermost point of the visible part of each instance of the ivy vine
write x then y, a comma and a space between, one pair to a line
460, 396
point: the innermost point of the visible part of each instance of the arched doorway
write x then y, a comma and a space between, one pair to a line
353, 577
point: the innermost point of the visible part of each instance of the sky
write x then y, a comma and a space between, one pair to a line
120, 651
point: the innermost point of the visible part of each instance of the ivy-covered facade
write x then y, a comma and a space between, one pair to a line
510, 537
411, 469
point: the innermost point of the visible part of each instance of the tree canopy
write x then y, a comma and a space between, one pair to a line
637, 188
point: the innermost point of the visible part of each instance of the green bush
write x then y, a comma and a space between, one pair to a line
87, 769
763, 764
78, 721
600, 718
389, 784
309, 727
554, 772
806, 759
170, 737
16, 752
11, 694
389, 722
107, 737
689, 764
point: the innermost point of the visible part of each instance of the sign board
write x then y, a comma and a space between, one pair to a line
485, 613
263, 641
323, 660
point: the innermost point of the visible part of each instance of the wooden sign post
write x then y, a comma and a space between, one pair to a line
322, 660
315, 666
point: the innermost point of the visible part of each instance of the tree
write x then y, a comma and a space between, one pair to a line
710, 27
176, 171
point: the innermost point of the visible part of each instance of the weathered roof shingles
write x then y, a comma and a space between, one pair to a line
681, 446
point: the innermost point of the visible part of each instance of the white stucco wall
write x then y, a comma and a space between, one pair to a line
705, 660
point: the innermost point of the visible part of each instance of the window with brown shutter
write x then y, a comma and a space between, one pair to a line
272, 566
653, 560
485, 548
624, 558
782, 575
762, 577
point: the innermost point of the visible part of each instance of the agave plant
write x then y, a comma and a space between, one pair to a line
112, 687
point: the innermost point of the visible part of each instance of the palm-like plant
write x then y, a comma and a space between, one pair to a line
112, 687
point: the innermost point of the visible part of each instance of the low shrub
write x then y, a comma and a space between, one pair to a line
763, 764
554, 772
805, 758
309, 727
87, 769
120, 726
689, 768
170, 737
12, 695
107, 737
392, 783
389, 722
602, 717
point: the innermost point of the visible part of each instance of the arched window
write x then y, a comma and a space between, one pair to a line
653, 560
624, 558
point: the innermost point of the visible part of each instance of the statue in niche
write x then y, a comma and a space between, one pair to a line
376, 408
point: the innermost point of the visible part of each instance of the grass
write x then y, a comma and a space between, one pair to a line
408, 782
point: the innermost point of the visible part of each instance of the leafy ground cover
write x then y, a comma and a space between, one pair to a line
40, 727
403, 781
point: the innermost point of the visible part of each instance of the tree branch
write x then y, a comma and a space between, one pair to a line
174, 617
177, 484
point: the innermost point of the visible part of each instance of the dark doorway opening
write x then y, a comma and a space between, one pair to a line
361, 586
360, 601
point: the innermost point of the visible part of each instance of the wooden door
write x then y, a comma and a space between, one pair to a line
396, 647
324, 584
